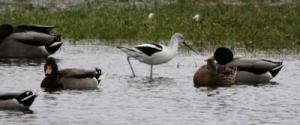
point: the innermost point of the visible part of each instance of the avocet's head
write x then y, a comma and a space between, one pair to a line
177, 38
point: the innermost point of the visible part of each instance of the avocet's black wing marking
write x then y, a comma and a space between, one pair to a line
149, 49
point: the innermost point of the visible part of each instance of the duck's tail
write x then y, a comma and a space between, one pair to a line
26, 98
277, 69
99, 75
53, 47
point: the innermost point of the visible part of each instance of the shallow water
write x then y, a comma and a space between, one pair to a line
170, 99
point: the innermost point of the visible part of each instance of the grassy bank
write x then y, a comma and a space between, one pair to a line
249, 25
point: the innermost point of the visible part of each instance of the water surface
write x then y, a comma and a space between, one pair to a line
170, 99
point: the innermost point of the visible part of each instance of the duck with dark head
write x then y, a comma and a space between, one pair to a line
70, 78
28, 41
51, 74
249, 71
216, 74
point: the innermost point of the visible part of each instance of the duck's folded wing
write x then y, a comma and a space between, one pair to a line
33, 38
5, 96
36, 28
257, 66
77, 73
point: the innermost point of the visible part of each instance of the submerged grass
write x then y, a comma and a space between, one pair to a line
253, 26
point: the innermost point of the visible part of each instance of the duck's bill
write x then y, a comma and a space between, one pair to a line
211, 57
48, 70
190, 47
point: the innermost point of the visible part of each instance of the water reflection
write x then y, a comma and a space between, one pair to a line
21, 62
8, 114
258, 84
147, 83
213, 91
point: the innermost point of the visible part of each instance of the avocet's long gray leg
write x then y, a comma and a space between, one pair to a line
151, 70
128, 59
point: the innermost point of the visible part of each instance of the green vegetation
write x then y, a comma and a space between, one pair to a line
252, 25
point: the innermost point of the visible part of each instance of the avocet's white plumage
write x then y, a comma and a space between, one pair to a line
154, 54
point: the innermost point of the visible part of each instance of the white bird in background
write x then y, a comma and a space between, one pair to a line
154, 54
151, 16
196, 18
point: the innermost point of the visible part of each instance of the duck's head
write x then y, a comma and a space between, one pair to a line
50, 68
223, 55
5, 30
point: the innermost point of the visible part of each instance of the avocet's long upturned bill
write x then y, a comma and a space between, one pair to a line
154, 54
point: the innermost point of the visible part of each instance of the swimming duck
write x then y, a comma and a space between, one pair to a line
28, 41
249, 70
71, 78
214, 75
16, 101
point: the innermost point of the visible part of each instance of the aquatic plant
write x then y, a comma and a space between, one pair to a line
253, 25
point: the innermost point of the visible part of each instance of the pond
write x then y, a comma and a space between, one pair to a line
170, 99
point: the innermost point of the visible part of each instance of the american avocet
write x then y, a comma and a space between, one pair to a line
154, 54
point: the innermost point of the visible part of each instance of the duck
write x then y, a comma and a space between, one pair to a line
214, 75
70, 78
17, 101
249, 70
28, 41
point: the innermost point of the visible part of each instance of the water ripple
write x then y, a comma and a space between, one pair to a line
169, 99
